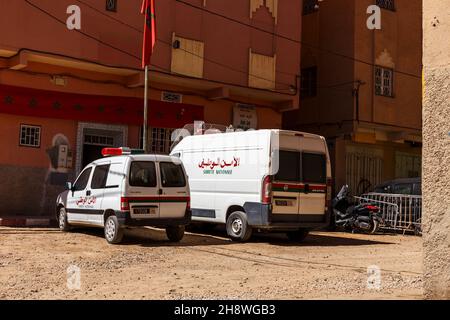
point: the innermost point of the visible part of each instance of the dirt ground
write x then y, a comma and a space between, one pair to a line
34, 262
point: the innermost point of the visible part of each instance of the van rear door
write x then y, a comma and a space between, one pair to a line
299, 186
314, 186
174, 190
142, 193
286, 187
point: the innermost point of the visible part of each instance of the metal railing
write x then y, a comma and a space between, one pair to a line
399, 212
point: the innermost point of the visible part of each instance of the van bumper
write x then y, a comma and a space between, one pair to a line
260, 216
125, 220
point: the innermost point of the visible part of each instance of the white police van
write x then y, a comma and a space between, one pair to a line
266, 180
128, 188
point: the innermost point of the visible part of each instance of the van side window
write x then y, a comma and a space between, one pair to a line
289, 166
143, 174
314, 168
82, 180
172, 175
99, 177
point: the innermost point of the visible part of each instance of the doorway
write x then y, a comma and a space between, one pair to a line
93, 146
92, 138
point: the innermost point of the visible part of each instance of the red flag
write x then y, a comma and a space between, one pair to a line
148, 9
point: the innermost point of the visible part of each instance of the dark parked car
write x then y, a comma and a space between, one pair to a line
412, 186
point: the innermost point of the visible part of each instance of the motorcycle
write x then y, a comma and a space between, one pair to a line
364, 217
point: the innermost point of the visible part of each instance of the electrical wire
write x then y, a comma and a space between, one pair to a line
168, 43
288, 86
289, 38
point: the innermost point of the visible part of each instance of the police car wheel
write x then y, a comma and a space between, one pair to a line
113, 231
238, 228
298, 236
175, 233
63, 224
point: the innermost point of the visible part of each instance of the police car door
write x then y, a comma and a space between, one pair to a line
96, 193
77, 198
174, 190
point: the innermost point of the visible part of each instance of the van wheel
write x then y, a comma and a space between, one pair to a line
175, 233
298, 236
238, 228
113, 231
62, 220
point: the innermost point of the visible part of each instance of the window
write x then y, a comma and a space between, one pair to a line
402, 188
314, 168
262, 71
187, 57
160, 140
30, 136
384, 81
97, 140
111, 5
172, 175
143, 174
115, 176
309, 82
310, 6
82, 180
386, 4
289, 166
417, 189
99, 177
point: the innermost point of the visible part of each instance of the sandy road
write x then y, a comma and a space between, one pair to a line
34, 262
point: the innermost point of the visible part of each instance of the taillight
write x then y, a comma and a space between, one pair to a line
188, 204
267, 190
124, 204
329, 191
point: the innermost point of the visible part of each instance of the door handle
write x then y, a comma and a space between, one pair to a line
306, 188
88, 193
160, 191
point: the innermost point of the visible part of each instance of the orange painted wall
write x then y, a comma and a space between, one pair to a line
14, 154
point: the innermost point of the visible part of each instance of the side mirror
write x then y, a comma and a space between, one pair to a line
69, 186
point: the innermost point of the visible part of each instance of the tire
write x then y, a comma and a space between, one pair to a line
298, 236
113, 231
175, 233
62, 220
238, 228
375, 226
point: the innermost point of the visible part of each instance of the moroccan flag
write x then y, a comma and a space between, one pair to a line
148, 9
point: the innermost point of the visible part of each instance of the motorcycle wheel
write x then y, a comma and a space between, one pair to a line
375, 226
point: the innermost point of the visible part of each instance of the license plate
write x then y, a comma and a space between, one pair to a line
284, 203
144, 211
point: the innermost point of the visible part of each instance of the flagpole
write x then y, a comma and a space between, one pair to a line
145, 138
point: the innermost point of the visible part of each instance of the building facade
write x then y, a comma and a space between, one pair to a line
361, 88
436, 154
66, 94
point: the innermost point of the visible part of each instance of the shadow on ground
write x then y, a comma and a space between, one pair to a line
150, 237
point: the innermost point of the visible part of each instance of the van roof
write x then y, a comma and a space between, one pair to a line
279, 131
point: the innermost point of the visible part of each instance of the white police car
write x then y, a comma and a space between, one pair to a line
128, 188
